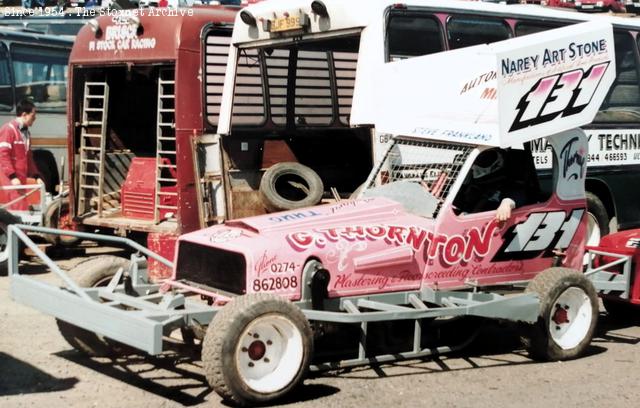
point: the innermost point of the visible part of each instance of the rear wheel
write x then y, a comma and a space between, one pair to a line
57, 216
597, 219
48, 169
93, 273
568, 315
257, 349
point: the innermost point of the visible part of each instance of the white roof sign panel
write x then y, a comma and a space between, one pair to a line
502, 94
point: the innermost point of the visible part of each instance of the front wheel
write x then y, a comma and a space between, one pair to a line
568, 315
93, 273
257, 349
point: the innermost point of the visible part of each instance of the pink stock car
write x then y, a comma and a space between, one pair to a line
451, 222
406, 231
413, 236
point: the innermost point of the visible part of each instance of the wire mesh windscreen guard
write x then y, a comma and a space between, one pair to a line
435, 166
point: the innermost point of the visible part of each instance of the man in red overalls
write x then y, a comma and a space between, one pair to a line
16, 160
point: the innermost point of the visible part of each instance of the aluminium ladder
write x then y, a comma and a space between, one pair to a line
92, 145
165, 144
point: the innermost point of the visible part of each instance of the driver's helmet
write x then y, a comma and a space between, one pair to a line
487, 163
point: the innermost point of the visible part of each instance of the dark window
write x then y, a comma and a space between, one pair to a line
6, 91
467, 31
622, 104
413, 35
57, 29
527, 27
497, 174
41, 75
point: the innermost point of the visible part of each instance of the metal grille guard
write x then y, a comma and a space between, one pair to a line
138, 316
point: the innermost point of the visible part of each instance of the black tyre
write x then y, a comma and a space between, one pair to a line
597, 221
568, 315
92, 273
6, 219
46, 164
57, 215
257, 349
289, 185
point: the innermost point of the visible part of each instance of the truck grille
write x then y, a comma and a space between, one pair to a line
212, 267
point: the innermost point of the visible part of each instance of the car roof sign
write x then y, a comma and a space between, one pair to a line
501, 94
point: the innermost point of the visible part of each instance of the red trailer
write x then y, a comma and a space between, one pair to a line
136, 104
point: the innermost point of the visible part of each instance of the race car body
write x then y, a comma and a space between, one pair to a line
401, 235
452, 210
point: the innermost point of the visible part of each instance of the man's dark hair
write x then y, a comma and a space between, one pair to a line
24, 106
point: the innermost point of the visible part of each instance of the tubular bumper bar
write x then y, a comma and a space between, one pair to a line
138, 319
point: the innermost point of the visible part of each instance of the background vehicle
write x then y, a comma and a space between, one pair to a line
617, 6
45, 209
34, 66
63, 24
632, 6
561, 3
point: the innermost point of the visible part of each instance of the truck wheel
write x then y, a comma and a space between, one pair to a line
597, 219
6, 218
290, 185
92, 273
57, 216
568, 315
257, 349
48, 169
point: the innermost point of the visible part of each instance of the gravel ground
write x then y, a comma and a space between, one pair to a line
38, 368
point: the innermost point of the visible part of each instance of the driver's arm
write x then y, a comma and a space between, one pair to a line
503, 213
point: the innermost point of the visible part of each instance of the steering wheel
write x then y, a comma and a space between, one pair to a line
437, 186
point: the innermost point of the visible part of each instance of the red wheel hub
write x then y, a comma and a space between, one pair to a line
257, 350
65, 222
560, 316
